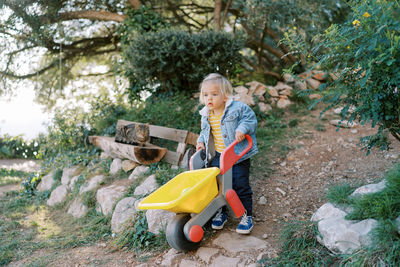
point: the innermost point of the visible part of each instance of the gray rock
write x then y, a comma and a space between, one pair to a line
124, 210
225, 261
58, 195
107, 197
262, 200
369, 189
189, 263
205, 253
328, 210
343, 236
77, 209
105, 155
343, 123
115, 166
158, 219
94, 182
171, 257
47, 182
147, 186
138, 171
235, 243
128, 165
67, 174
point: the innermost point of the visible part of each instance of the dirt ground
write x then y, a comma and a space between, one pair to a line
295, 190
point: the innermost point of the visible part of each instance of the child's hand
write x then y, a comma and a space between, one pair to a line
200, 146
239, 136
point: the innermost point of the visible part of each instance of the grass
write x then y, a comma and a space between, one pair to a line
10, 176
298, 239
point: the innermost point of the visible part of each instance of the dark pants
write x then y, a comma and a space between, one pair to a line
240, 181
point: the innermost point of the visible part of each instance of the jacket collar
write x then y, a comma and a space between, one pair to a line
205, 111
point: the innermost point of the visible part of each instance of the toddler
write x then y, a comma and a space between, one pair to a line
222, 122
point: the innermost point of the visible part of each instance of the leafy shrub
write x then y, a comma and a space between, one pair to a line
171, 61
365, 53
17, 147
29, 184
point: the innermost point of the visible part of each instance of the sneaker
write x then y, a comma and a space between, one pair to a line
219, 220
245, 225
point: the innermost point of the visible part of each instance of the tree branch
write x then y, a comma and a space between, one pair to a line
217, 15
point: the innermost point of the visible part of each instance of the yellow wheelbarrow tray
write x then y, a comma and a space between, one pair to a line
188, 192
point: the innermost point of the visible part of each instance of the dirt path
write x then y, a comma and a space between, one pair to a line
294, 191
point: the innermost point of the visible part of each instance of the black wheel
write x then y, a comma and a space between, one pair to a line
176, 237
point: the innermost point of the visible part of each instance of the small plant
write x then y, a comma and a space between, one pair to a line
320, 127
339, 193
29, 184
136, 236
10, 176
300, 247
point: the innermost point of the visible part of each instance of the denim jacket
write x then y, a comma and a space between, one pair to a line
237, 116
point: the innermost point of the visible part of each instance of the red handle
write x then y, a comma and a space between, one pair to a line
229, 157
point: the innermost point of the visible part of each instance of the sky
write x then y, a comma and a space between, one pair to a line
21, 115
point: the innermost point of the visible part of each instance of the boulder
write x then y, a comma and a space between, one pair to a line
288, 78
58, 195
158, 220
115, 166
68, 173
124, 210
272, 91
93, 183
369, 189
77, 209
283, 102
264, 107
184, 163
314, 84
47, 182
340, 235
300, 85
241, 90
128, 165
147, 186
73, 181
139, 170
280, 86
245, 98
107, 197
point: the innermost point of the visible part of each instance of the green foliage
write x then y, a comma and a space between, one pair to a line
381, 205
177, 111
135, 236
17, 147
339, 193
30, 183
300, 247
10, 176
172, 61
365, 54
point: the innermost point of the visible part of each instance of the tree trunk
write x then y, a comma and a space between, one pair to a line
217, 15
145, 155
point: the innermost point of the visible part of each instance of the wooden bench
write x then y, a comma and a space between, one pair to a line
148, 153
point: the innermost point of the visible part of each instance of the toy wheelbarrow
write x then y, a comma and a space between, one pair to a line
195, 197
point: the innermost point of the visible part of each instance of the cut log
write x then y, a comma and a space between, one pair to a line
145, 155
132, 133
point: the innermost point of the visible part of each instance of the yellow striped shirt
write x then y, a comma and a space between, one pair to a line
215, 122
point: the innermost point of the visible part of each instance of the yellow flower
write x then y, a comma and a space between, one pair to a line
348, 47
366, 15
294, 28
356, 22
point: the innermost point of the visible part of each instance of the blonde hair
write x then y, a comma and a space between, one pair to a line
224, 85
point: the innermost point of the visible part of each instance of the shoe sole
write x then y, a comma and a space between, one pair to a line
244, 232
218, 227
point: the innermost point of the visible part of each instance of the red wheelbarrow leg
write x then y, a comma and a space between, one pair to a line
235, 203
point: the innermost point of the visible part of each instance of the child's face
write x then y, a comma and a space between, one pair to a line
213, 98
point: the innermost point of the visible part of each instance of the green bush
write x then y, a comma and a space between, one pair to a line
365, 54
171, 61
17, 147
